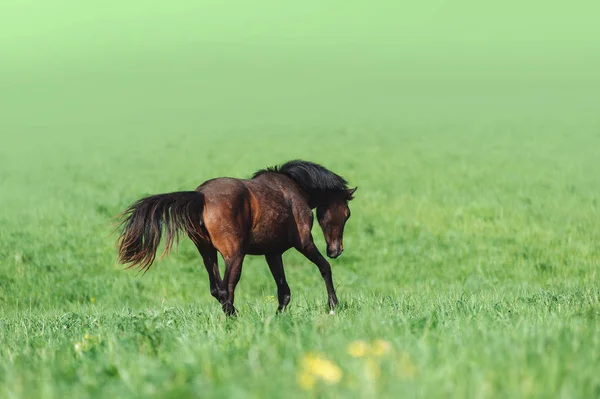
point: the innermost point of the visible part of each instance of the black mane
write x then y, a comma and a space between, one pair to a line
313, 178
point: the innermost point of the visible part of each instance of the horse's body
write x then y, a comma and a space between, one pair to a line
265, 215
270, 206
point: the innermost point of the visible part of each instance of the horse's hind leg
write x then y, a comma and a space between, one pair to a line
275, 263
211, 262
228, 223
232, 275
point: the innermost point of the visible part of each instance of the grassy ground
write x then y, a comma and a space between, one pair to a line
471, 259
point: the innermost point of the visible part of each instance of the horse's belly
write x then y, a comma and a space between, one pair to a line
268, 248
265, 241
265, 250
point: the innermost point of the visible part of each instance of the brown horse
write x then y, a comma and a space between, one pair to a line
265, 215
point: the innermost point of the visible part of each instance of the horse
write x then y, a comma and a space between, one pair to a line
265, 215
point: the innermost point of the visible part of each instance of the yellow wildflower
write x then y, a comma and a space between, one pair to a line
357, 349
93, 300
361, 349
316, 367
380, 347
323, 368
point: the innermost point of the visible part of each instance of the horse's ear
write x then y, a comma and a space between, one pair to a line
352, 191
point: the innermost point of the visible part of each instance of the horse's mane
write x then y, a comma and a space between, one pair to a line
313, 178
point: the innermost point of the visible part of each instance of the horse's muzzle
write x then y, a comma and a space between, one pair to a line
334, 252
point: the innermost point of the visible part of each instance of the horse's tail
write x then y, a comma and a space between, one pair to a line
143, 221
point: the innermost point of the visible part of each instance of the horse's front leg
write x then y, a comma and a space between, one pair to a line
275, 263
311, 251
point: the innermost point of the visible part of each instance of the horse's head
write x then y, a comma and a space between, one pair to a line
332, 215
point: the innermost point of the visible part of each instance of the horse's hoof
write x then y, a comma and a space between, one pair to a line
228, 309
331, 311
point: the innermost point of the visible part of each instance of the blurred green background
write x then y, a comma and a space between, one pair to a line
206, 65
471, 129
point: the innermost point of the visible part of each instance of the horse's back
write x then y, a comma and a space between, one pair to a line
261, 213
222, 186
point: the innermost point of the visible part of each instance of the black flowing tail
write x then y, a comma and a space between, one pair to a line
143, 221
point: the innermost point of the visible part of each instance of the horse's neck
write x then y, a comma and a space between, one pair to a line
318, 200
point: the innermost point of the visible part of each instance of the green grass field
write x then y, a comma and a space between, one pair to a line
471, 260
